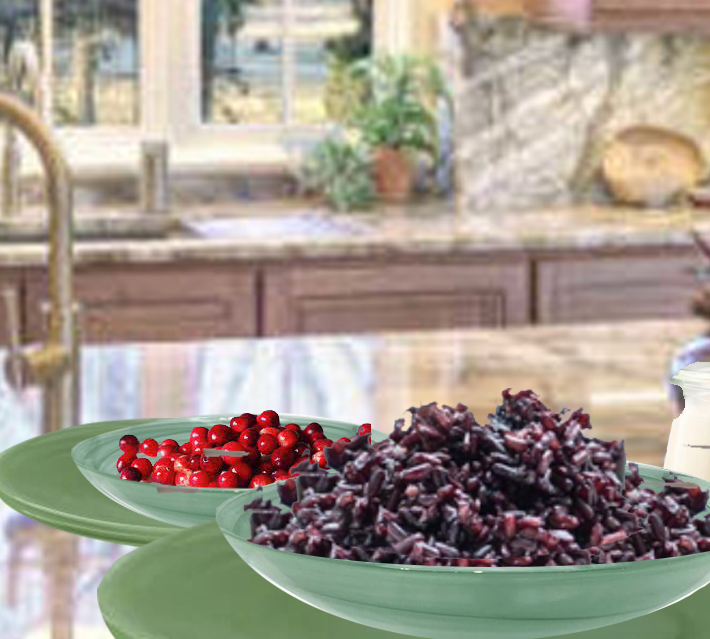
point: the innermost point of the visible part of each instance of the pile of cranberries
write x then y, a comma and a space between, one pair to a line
267, 452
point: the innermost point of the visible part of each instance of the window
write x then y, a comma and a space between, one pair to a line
270, 61
86, 54
207, 73
95, 62
19, 28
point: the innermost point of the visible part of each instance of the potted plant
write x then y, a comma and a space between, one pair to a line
398, 118
340, 171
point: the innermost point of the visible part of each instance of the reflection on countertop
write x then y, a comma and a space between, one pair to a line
298, 229
616, 373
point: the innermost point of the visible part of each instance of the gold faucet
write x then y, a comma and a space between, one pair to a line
55, 366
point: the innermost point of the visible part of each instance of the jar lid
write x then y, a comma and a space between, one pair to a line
697, 374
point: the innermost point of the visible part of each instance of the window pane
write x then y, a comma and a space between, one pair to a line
19, 32
242, 57
96, 62
327, 34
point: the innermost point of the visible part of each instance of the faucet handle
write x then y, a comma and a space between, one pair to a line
14, 365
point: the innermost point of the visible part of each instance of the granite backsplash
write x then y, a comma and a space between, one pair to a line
535, 106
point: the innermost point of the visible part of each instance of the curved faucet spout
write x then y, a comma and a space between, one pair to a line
55, 365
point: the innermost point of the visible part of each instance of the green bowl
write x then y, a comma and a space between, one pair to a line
96, 459
458, 603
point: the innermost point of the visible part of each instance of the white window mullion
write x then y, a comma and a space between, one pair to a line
46, 20
394, 25
289, 61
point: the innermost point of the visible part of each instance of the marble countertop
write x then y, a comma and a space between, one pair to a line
303, 231
617, 373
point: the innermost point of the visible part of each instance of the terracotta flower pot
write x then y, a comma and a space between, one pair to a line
393, 174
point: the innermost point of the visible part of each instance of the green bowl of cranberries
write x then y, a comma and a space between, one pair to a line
164, 469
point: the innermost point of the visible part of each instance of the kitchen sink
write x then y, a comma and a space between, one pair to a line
307, 225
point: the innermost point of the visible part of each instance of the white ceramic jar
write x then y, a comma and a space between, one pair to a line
689, 443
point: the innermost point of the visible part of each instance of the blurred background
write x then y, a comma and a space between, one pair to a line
344, 208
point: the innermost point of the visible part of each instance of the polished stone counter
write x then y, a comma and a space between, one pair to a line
425, 229
616, 373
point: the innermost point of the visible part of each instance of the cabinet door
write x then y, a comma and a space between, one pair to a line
607, 289
362, 297
9, 279
147, 302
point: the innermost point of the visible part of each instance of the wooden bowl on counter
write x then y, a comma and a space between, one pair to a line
652, 166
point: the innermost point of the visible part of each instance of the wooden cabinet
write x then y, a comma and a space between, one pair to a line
357, 297
150, 302
9, 279
609, 288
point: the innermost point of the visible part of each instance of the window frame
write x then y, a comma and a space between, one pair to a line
169, 41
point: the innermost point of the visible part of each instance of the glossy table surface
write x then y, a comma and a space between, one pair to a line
154, 593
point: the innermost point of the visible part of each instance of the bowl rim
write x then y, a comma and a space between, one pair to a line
78, 448
489, 570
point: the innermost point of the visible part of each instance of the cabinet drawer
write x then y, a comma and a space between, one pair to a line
156, 302
607, 289
362, 297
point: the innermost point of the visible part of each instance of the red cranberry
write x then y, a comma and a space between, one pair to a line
295, 428
194, 462
268, 418
269, 430
280, 475
235, 447
170, 443
131, 474
164, 451
300, 449
143, 466
267, 444
182, 463
243, 471
199, 432
124, 461
248, 438
283, 458
287, 438
365, 429
162, 461
198, 448
211, 465
261, 480
228, 480
182, 478
200, 479
313, 432
171, 457
164, 475
149, 447
320, 444
266, 466
186, 449
345, 440
220, 434
244, 421
129, 444
319, 458
213, 484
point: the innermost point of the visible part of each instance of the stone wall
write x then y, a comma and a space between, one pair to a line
535, 107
